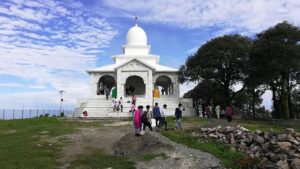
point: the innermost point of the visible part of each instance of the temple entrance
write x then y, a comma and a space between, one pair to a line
135, 86
104, 82
165, 85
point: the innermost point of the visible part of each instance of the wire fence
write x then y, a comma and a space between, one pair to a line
11, 114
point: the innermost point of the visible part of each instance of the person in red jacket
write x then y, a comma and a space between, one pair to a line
228, 113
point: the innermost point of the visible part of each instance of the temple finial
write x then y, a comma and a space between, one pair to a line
136, 19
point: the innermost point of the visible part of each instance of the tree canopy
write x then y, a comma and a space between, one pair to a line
221, 60
276, 59
271, 61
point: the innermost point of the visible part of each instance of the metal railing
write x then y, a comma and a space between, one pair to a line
11, 114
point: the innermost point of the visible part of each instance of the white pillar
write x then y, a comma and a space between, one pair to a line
120, 90
93, 85
176, 90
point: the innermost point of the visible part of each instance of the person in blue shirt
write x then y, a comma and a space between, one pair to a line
156, 115
178, 116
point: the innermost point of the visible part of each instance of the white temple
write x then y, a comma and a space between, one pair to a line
135, 72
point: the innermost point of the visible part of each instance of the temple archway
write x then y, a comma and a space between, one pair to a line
135, 86
106, 81
164, 84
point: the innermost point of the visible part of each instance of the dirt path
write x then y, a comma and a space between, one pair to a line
106, 138
181, 157
88, 139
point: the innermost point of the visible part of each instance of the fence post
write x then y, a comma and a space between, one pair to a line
13, 114
29, 113
3, 114
22, 113
43, 111
37, 112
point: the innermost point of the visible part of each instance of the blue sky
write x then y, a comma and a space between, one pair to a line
46, 46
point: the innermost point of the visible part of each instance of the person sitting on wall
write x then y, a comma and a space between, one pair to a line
84, 114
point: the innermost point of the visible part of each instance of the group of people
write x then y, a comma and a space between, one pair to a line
112, 91
142, 119
220, 113
118, 105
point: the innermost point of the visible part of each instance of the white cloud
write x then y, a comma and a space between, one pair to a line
247, 16
11, 85
49, 45
36, 100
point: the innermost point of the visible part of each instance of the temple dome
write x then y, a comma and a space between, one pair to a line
136, 36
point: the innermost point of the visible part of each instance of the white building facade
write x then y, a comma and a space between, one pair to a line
135, 72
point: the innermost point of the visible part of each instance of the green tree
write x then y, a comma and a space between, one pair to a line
207, 91
276, 58
222, 60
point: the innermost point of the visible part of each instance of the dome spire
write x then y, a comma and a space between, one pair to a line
136, 19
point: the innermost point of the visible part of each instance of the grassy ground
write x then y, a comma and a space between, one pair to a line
264, 126
20, 145
194, 122
98, 159
27, 143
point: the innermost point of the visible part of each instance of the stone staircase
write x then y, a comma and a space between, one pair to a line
99, 107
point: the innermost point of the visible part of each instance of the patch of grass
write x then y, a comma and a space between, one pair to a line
264, 126
195, 122
21, 145
230, 159
149, 157
188, 121
33, 143
98, 159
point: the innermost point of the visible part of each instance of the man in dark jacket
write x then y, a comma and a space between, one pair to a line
156, 115
146, 118
178, 116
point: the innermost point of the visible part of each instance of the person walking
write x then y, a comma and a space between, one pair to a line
178, 116
107, 92
208, 112
133, 99
137, 120
228, 113
217, 109
146, 118
163, 117
115, 104
121, 104
222, 114
118, 108
163, 91
156, 114
114, 92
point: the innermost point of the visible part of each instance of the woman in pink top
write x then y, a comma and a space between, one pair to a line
137, 120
